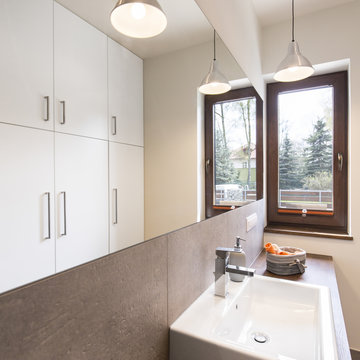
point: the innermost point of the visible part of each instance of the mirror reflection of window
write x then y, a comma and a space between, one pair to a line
235, 151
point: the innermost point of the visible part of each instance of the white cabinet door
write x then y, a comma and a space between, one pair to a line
26, 62
125, 95
81, 182
27, 239
126, 195
80, 53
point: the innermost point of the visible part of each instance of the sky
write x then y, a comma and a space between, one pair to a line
298, 111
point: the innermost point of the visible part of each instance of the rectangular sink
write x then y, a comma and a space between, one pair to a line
261, 318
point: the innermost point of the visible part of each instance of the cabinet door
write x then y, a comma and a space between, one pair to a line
27, 245
80, 76
125, 78
26, 62
126, 195
81, 177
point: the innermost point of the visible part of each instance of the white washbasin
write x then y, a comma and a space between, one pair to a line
295, 321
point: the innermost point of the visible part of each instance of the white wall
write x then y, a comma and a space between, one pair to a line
171, 133
326, 36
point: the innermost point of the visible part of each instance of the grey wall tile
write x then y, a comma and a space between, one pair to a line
191, 262
120, 306
112, 308
236, 226
192, 253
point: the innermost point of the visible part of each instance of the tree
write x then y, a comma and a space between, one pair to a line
320, 181
246, 116
318, 153
289, 177
225, 172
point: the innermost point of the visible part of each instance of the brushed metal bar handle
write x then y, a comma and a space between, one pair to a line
47, 111
63, 193
340, 161
113, 125
48, 215
115, 206
63, 118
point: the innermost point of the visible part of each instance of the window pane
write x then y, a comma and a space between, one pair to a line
235, 152
306, 149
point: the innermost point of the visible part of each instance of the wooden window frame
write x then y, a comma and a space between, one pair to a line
210, 100
315, 221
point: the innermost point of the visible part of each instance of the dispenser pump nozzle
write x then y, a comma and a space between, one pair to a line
238, 245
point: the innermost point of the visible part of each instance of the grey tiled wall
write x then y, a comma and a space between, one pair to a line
120, 306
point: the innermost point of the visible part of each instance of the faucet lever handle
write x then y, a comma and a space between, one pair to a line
223, 252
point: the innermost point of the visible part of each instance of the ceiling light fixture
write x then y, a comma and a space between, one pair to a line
138, 18
295, 66
214, 82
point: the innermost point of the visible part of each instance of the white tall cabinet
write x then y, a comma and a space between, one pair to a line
81, 171
26, 63
80, 58
58, 162
126, 169
27, 232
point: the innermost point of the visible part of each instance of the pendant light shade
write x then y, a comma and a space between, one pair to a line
138, 18
295, 66
214, 82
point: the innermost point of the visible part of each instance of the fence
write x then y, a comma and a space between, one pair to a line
306, 199
321, 199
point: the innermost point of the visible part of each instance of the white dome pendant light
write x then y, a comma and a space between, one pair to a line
295, 66
214, 82
138, 18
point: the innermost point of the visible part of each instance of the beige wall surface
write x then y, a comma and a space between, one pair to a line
328, 36
172, 134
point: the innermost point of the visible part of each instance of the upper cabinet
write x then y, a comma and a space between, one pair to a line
125, 78
80, 61
26, 82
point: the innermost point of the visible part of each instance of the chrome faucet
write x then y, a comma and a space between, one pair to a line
222, 267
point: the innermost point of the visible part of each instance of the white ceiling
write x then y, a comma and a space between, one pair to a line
187, 26
274, 11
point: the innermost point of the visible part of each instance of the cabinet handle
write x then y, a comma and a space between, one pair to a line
47, 194
63, 193
115, 212
46, 114
62, 121
113, 125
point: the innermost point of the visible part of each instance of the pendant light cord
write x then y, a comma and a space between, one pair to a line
214, 46
293, 21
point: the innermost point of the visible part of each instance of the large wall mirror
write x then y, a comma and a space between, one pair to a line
170, 66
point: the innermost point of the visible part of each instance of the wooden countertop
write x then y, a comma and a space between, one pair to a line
320, 271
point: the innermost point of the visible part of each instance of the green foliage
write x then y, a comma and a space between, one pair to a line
318, 153
321, 180
225, 171
289, 175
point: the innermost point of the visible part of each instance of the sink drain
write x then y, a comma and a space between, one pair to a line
260, 338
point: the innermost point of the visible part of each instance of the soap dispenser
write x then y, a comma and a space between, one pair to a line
237, 258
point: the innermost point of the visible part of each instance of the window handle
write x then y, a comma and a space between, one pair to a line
207, 165
340, 161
